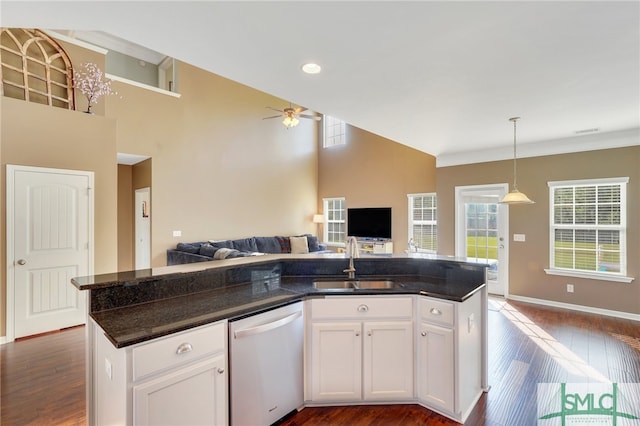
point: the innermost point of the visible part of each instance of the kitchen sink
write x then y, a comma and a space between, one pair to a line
355, 284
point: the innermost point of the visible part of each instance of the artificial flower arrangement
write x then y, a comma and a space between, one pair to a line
89, 80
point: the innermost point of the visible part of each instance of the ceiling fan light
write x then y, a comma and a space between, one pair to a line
516, 197
290, 121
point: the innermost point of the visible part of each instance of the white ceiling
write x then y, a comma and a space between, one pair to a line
441, 77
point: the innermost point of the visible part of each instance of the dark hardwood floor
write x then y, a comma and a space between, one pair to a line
43, 378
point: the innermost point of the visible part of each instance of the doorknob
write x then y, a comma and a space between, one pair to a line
22, 262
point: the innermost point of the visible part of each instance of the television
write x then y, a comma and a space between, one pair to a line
370, 222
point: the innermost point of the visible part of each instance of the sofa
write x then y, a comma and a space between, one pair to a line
204, 251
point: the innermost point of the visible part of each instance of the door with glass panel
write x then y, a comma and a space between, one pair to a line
482, 230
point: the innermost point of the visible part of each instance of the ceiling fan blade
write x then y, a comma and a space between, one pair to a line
276, 109
273, 116
313, 117
299, 110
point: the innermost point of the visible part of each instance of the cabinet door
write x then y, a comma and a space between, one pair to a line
388, 360
336, 366
193, 395
435, 366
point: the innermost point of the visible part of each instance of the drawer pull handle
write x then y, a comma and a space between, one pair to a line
363, 308
220, 370
423, 334
184, 348
435, 311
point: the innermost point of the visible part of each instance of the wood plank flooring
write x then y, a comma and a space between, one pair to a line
42, 380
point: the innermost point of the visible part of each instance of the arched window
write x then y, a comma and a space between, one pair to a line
35, 68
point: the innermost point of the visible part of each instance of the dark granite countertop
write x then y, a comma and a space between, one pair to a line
128, 325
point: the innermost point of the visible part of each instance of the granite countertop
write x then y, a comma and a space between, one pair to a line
137, 323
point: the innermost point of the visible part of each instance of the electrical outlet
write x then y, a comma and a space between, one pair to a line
107, 368
569, 288
471, 322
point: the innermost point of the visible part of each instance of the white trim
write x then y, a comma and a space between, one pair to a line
590, 142
602, 276
580, 308
10, 234
141, 85
75, 41
3, 340
587, 182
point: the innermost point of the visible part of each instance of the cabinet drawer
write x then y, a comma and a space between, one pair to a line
436, 311
362, 307
178, 349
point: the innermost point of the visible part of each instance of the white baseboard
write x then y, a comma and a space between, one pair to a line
572, 307
3, 340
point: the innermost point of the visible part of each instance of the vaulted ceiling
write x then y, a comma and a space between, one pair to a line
441, 77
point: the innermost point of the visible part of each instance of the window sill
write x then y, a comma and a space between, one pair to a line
589, 275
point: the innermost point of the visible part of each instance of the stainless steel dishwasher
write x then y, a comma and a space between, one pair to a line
266, 378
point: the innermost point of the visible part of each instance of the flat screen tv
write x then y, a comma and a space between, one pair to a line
370, 222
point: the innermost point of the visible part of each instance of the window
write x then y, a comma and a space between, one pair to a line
588, 228
423, 222
334, 221
334, 132
35, 68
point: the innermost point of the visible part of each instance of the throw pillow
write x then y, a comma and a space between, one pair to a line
299, 245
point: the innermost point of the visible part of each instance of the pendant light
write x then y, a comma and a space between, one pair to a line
515, 196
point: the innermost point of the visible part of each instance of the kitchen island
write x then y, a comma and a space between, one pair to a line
131, 310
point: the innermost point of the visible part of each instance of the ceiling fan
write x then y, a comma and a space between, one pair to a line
291, 115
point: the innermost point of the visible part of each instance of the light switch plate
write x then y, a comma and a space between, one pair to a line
519, 237
177, 233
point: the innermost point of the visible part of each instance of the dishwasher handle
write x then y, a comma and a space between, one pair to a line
238, 334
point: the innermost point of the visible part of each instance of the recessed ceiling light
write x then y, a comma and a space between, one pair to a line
311, 68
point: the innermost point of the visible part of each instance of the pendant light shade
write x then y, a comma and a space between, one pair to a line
515, 196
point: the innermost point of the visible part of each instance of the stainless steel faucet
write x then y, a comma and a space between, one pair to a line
352, 251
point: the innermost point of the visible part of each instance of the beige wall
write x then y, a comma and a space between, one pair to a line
372, 171
217, 169
37, 135
126, 226
130, 178
528, 259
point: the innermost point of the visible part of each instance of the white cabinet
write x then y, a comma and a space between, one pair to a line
174, 380
336, 369
449, 355
361, 349
435, 365
194, 395
388, 360
375, 247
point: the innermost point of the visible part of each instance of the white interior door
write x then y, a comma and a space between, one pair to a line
143, 228
49, 241
482, 229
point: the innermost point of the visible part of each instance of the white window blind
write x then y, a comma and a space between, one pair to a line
334, 220
423, 224
588, 226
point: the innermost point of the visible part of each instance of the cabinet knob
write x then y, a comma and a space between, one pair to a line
357, 333
435, 311
363, 308
220, 370
184, 348
423, 334
369, 333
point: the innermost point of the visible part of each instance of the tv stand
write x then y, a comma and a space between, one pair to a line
374, 246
